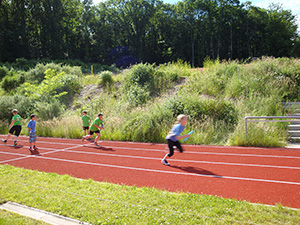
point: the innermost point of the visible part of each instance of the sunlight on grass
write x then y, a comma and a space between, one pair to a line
106, 203
7, 218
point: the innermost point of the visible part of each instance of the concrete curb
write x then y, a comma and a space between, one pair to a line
293, 145
38, 214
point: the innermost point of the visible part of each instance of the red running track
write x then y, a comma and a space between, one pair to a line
258, 175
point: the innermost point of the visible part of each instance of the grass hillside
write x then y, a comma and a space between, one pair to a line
141, 103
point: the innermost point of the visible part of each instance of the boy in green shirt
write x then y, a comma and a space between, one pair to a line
86, 120
95, 127
15, 127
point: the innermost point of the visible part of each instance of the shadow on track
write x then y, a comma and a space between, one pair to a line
195, 170
17, 146
34, 152
99, 147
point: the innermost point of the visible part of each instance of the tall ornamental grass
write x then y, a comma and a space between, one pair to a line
65, 127
144, 102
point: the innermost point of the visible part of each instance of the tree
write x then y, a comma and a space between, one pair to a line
281, 31
151, 30
4, 31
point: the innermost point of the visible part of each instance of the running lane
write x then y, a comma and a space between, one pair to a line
258, 175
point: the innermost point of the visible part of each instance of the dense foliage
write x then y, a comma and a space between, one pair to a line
126, 32
141, 103
45, 90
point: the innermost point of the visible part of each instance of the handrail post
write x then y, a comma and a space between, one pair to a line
245, 127
266, 119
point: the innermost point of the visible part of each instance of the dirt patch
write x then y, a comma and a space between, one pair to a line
90, 91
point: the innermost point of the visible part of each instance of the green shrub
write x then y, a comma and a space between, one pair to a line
59, 86
201, 109
21, 63
164, 80
73, 70
142, 75
37, 74
69, 83
138, 84
106, 78
9, 83
137, 96
23, 104
151, 125
48, 111
3, 72
176, 106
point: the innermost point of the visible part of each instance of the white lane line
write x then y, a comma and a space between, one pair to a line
210, 146
149, 170
198, 152
186, 161
29, 156
52, 143
15, 159
13, 153
189, 152
56, 140
209, 153
152, 158
56, 143
172, 172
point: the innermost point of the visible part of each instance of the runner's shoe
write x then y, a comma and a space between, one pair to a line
165, 162
15, 143
4, 141
96, 144
30, 149
35, 148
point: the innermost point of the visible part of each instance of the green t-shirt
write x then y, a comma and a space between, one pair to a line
98, 122
86, 120
17, 118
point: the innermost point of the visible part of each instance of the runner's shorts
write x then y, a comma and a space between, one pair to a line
32, 138
92, 132
16, 130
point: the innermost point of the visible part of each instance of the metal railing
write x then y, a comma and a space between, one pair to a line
249, 119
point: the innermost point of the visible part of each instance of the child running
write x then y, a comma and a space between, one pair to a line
15, 127
86, 120
174, 136
95, 127
32, 132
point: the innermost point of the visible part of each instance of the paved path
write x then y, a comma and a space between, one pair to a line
37, 214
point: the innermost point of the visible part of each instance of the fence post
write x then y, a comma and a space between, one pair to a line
245, 127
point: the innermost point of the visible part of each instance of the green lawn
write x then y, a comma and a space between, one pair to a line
106, 203
9, 218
